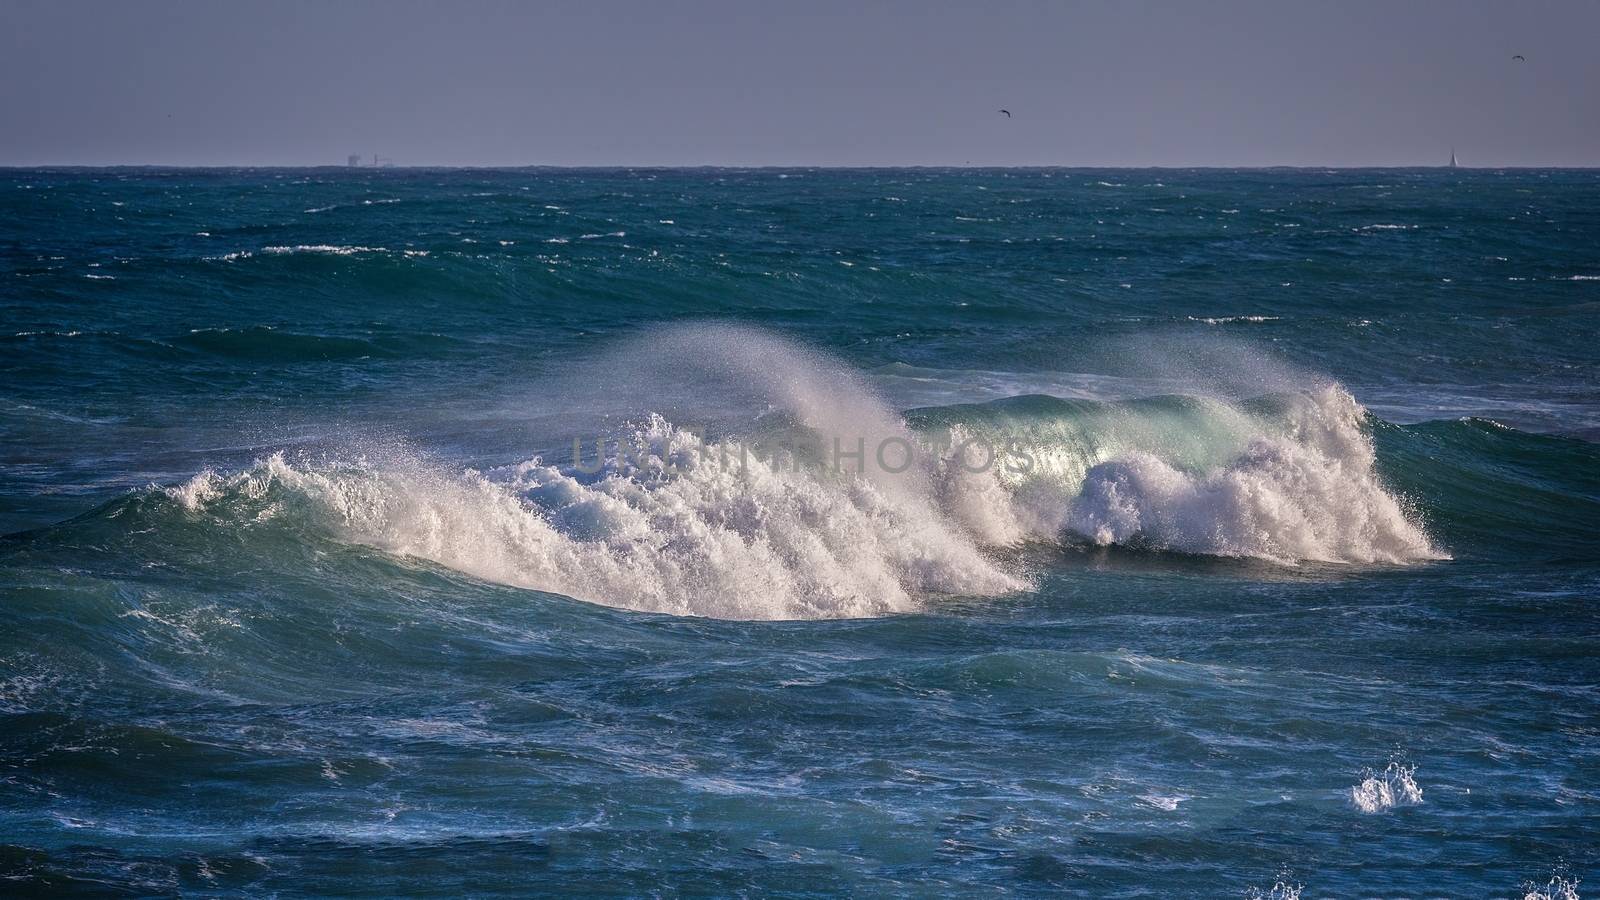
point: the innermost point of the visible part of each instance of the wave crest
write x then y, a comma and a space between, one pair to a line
693, 538
1311, 492
665, 523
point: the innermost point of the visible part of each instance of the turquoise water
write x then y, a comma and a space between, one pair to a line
1237, 535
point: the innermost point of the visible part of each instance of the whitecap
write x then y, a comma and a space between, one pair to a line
1161, 802
333, 249
1557, 888
712, 538
1309, 492
1224, 320
670, 521
665, 519
1281, 889
1382, 791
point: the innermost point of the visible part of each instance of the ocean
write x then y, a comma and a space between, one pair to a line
908, 533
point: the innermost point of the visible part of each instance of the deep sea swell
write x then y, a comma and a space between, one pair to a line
499, 532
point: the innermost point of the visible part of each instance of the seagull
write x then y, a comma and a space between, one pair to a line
1007, 112
1520, 58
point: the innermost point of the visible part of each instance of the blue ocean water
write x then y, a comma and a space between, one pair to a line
1271, 571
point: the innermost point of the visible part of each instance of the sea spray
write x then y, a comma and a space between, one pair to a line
1382, 791
1557, 888
830, 504
1282, 889
663, 522
754, 543
1308, 492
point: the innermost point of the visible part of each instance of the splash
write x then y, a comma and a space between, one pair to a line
1557, 888
1280, 890
1382, 791
1309, 491
702, 539
669, 520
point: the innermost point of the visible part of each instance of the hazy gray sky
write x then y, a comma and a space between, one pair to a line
638, 82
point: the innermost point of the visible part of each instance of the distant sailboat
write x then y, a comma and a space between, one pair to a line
1453, 158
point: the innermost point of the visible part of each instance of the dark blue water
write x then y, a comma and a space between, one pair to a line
1236, 533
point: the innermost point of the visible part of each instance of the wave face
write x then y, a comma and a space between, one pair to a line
1310, 492
704, 541
669, 521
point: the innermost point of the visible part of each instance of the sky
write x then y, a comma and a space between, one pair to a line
723, 82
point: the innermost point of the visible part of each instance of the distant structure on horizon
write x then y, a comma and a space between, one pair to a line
353, 161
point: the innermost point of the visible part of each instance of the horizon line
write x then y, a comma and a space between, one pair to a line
773, 166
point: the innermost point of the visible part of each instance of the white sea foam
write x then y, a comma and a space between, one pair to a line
1382, 791
1309, 492
674, 522
29, 683
334, 249
1557, 888
1282, 889
1162, 802
1224, 320
704, 539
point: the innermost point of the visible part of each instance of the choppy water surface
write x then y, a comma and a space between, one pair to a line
1236, 535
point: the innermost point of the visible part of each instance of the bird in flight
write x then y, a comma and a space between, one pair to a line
1007, 112
1520, 58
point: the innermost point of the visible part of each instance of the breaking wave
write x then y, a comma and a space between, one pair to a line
666, 519
1308, 490
704, 540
